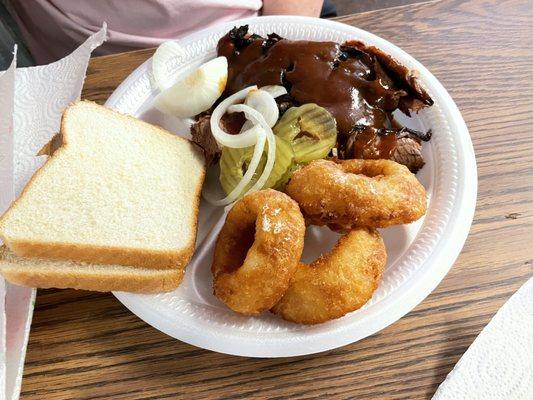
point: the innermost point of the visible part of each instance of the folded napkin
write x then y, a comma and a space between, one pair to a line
499, 364
31, 103
7, 95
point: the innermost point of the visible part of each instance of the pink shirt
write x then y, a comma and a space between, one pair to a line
53, 28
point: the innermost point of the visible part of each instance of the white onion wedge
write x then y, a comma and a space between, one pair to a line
197, 92
260, 134
274, 90
244, 139
256, 118
263, 102
167, 55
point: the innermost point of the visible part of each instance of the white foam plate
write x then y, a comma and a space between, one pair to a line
419, 254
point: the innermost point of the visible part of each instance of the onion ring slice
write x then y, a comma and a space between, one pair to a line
257, 251
254, 133
274, 90
245, 139
336, 283
346, 194
263, 102
256, 117
260, 134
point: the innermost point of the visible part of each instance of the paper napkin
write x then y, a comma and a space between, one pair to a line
7, 91
30, 116
499, 364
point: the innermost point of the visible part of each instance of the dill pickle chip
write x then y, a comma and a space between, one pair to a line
282, 182
233, 166
234, 162
310, 129
282, 164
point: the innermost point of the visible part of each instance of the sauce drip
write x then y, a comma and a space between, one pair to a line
353, 91
367, 143
358, 87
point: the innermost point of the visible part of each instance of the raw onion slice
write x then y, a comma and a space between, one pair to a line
274, 90
263, 102
246, 138
260, 136
259, 101
256, 117
259, 107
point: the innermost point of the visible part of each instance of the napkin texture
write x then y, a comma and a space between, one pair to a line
7, 91
499, 364
29, 118
7, 99
42, 93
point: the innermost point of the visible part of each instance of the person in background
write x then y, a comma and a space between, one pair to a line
53, 28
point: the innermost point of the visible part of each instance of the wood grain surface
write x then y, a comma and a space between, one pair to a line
88, 346
346, 7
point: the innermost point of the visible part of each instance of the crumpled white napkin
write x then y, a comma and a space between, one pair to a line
499, 364
31, 103
7, 94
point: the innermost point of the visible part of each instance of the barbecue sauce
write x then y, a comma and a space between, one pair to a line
350, 83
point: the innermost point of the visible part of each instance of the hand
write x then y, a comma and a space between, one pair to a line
309, 8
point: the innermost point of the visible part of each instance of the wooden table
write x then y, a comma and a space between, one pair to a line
88, 346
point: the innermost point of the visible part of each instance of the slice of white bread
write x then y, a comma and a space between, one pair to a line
118, 191
34, 272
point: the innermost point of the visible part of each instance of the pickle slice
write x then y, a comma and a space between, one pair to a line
283, 163
282, 182
234, 162
311, 131
233, 166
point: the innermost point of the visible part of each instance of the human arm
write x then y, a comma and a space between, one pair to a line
310, 8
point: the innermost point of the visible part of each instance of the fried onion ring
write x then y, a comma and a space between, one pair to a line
336, 283
346, 194
257, 251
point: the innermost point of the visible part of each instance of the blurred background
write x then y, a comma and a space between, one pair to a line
25, 22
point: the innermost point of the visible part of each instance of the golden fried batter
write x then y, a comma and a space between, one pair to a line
336, 283
257, 251
344, 194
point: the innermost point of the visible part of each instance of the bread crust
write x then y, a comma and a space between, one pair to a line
166, 281
102, 254
137, 281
